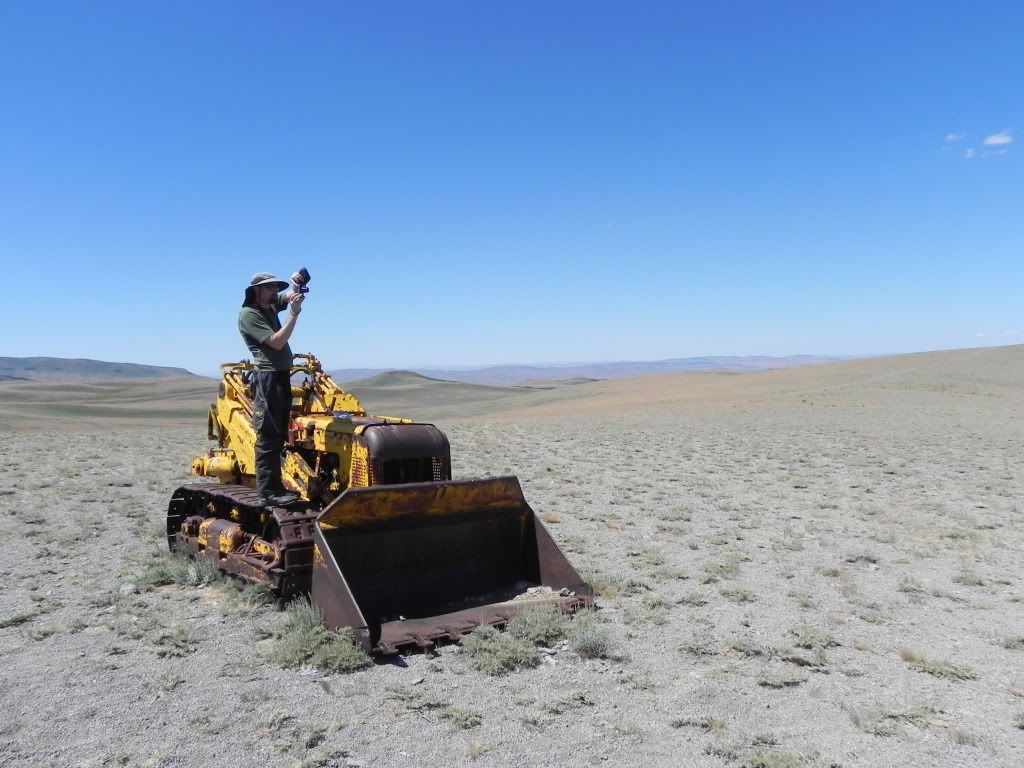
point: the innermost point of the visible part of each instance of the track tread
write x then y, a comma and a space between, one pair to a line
289, 529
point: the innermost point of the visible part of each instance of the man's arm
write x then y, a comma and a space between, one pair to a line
279, 338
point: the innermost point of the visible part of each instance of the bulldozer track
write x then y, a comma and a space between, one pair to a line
228, 525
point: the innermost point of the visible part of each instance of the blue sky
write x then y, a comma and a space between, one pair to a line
475, 183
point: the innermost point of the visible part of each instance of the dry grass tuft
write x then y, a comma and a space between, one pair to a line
944, 669
885, 720
721, 569
774, 757
172, 641
542, 624
497, 653
303, 640
705, 723
475, 750
785, 678
590, 639
911, 585
738, 595
461, 717
695, 599
18, 617
613, 587
812, 637
163, 683
969, 579
172, 568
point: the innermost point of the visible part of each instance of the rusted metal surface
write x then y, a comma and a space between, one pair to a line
411, 565
228, 525
376, 505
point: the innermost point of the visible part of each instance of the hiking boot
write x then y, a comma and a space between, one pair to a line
281, 499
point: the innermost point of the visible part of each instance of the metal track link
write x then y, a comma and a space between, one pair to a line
227, 524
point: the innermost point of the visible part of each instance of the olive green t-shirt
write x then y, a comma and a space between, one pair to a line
256, 326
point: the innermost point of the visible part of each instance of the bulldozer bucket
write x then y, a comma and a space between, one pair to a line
415, 564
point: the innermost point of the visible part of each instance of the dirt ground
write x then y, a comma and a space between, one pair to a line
799, 568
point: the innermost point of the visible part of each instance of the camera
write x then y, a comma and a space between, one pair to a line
303, 281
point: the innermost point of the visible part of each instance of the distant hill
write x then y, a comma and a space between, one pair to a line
395, 379
554, 383
508, 375
67, 369
405, 393
947, 383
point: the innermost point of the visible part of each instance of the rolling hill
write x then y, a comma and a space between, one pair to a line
510, 375
961, 377
67, 369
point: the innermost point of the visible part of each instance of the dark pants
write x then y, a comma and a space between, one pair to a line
272, 403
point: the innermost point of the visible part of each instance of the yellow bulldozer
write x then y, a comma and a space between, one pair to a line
383, 539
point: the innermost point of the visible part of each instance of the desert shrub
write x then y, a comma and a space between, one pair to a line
541, 624
705, 723
693, 598
739, 595
461, 717
946, 669
782, 679
885, 720
812, 637
251, 598
19, 617
496, 653
475, 750
173, 568
172, 641
774, 757
589, 639
612, 587
572, 701
303, 640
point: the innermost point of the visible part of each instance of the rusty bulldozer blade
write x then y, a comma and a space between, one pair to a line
407, 566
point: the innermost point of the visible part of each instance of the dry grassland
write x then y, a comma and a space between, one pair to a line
807, 567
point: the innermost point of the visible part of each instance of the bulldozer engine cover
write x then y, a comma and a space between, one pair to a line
414, 564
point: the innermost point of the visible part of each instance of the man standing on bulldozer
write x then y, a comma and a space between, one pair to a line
267, 340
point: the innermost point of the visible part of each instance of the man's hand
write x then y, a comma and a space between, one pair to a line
295, 303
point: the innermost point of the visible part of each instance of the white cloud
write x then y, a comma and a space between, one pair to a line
1000, 139
969, 152
1011, 333
981, 335
955, 136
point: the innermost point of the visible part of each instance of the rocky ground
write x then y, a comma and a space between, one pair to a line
825, 575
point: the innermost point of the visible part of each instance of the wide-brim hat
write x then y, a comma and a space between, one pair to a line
262, 278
